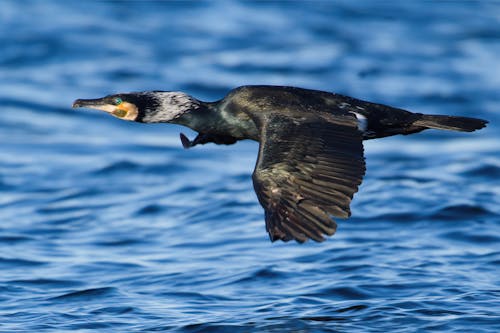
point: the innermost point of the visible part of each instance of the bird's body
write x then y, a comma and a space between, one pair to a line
310, 160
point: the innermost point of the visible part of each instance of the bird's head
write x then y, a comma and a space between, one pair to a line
145, 107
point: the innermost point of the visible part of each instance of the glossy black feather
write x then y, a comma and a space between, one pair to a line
307, 171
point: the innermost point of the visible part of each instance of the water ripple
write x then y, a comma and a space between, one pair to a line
15, 262
459, 212
112, 226
87, 294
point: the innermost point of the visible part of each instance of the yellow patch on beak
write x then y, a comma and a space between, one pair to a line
124, 110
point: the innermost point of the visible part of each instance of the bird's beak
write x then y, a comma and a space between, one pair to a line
98, 104
125, 110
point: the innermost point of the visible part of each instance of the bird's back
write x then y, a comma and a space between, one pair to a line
264, 99
261, 103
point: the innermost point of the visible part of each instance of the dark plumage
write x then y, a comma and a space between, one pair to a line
310, 160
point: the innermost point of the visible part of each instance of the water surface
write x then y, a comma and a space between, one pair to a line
111, 226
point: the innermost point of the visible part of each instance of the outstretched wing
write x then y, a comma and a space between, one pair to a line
307, 170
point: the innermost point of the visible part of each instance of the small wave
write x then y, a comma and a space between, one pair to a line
12, 239
263, 273
4, 186
118, 167
121, 242
129, 166
438, 312
30, 105
92, 326
151, 209
353, 308
345, 293
460, 212
113, 310
324, 318
60, 209
74, 216
46, 283
190, 296
406, 179
79, 194
397, 217
484, 171
87, 294
209, 328
447, 213
8, 262
471, 237
109, 266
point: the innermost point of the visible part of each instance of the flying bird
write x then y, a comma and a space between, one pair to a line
310, 160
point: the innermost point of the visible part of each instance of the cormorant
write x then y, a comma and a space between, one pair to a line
310, 160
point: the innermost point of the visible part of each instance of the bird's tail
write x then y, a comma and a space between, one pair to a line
452, 123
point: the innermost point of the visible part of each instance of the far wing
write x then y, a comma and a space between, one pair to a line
306, 171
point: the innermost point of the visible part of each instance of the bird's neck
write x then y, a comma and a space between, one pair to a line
201, 117
182, 109
169, 107
218, 119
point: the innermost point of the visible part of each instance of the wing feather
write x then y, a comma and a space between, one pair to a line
307, 170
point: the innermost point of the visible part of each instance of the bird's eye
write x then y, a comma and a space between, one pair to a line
118, 101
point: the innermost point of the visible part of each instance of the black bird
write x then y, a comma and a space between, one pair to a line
310, 160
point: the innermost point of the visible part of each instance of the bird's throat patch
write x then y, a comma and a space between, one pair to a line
126, 111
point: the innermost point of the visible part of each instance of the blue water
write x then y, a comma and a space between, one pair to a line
110, 226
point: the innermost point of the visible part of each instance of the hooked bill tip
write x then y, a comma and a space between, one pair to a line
87, 103
76, 104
